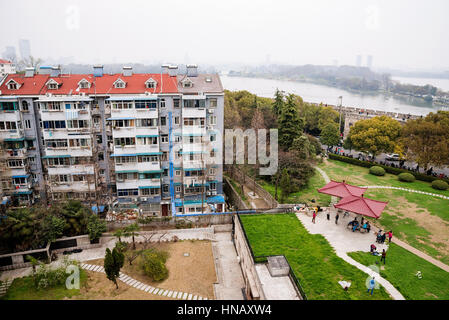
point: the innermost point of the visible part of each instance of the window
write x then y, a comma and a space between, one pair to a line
147, 141
213, 102
50, 106
27, 124
149, 191
12, 85
52, 84
177, 173
163, 121
77, 124
128, 141
100, 157
213, 120
164, 156
24, 105
84, 84
176, 103
78, 143
122, 105
213, 137
148, 158
177, 188
165, 188
213, 186
119, 83
164, 138
143, 104
212, 154
127, 192
56, 143
54, 124
151, 83
178, 139
177, 120
146, 122
123, 123
99, 139
162, 103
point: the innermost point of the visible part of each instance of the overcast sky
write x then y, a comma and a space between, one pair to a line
398, 33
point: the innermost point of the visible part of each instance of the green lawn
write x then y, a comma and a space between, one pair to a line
311, 257
24, 289
420, 220
401, 268
306, 194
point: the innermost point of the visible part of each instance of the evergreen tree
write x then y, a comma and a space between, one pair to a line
291, 125
278, 103
113, 262
285, 184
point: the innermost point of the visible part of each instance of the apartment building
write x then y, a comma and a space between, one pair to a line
133, 140
6, 67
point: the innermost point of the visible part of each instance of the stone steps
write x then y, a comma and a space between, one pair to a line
147, 288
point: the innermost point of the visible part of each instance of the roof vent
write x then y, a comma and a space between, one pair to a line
173, 71
127, 71
164, 68
98, 70
29, 72
55, 71
45, 69
192, 70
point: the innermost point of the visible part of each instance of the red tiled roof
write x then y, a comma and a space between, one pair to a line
29, 86
341, 189
135, 84
5, 61
360, 205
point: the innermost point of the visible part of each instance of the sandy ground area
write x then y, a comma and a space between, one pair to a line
194, 273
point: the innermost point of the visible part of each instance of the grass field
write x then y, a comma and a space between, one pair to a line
24, 289
306, 194
311, 257
401, 268
420, 220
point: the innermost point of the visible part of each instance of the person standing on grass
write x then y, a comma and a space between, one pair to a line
336, 218
372, 284
384, 254
390, 236
314, 216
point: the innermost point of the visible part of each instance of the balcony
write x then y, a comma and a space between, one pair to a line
138, 166
193, 112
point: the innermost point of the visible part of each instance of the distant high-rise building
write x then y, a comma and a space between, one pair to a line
369, 61
24, 48
358, 62
10, 53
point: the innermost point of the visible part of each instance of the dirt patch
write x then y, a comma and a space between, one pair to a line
258, 202
194, 273
438, 228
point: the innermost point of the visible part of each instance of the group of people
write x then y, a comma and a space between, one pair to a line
373, 251
380, 238
355, 225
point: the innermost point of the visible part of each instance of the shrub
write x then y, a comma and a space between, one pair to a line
377, 171
440, 185
153, 264
406, 177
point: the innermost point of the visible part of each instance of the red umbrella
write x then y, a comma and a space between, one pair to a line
341, 189
360, 205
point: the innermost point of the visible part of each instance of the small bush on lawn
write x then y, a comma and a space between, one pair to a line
440, 185
377, 171
406, 177
153, 264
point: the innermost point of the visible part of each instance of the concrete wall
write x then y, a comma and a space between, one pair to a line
233, 195
253, 286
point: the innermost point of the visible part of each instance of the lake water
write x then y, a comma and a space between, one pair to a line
329, 95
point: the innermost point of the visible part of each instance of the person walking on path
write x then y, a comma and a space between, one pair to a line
384, 254
336, 218
314, 216
390, 236
372, 284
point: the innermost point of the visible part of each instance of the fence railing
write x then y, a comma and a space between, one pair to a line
264, 259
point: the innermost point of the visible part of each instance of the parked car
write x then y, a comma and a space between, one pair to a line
393, 157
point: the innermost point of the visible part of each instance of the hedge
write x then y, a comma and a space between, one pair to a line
392, 170
377, 171
440, 185
406, 177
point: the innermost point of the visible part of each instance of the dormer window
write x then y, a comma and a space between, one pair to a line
187, 83
151, 83
84, 84
52, 84
119, 83
12, 85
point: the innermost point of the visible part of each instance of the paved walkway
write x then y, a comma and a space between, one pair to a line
326, 180
344, 241
408, 190
142, 286
229, 274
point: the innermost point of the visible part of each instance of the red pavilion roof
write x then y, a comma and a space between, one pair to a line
342, 189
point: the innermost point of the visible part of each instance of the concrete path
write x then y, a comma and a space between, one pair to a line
326, 180
147, 288
229, 274
344, 241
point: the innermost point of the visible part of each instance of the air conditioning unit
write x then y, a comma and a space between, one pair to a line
214, 193
143, 199
135, 199
211, 110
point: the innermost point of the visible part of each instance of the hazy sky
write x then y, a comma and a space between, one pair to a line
398, 33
